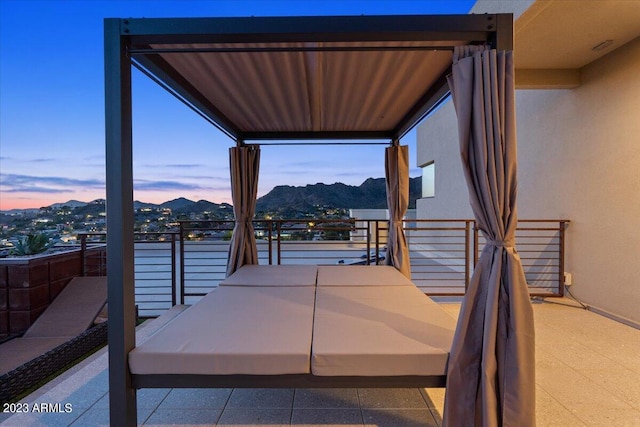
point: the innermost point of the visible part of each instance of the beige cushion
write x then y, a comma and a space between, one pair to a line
273, 275
234, 330
361, 275
379, 330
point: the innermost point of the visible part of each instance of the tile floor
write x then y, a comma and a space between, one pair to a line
587, 374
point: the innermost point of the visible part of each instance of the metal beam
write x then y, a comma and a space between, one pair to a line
120, 255
467, 28
504, 35
319, 143
317, 135
377, 48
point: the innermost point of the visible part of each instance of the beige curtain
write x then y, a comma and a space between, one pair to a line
397, 180
244, 165
491, 371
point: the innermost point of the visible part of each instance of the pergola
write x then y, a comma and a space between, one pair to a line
332, 78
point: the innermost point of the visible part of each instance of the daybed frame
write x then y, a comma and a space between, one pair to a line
285, 381
133, 41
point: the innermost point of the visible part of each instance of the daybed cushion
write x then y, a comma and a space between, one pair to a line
234, 330
361, 275
379, 330
273, 275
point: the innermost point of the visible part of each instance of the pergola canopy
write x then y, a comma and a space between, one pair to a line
322, 78
349, 77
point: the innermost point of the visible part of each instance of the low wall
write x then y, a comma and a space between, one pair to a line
29, 284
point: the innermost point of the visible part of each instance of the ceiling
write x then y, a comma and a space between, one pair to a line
561, 34
554, 39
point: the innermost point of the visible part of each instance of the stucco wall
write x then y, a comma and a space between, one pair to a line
438, 142
579, 159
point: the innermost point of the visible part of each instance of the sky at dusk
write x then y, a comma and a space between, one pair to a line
52, 107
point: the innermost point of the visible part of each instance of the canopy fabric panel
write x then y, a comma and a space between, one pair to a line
277, 88
348, 77
491, 372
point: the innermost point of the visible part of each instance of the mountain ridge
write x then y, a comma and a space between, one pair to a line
371, 194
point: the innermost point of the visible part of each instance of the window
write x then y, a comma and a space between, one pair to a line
428, 180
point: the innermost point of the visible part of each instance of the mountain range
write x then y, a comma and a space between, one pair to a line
371, 194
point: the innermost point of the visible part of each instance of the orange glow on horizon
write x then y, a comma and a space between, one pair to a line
25, 202
35, 201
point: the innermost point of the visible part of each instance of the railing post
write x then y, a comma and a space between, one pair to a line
173, 269
102, 263
377, 244
369, 241
467, 254
270, 238
561, 260
278, 223
475, 244
378, 233
83, 253
181, 263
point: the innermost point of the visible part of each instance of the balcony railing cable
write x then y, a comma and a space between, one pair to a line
179, 267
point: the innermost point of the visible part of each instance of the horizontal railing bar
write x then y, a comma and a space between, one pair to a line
439, 252
567, 221
536, 229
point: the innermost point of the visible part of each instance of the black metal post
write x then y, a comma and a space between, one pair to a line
475, 244
467, 254
120, 251
503, 38
278, 241
561, 228
270, 240
83, 253
182, 252
369, 241
173, 269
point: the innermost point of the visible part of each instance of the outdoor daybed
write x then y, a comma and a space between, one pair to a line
302, 326
344, 79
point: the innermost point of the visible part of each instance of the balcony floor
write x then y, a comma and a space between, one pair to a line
587, 374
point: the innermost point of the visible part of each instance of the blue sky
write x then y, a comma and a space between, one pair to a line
52, 107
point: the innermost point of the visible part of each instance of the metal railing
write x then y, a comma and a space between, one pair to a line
440, 253
155, 268
204, 247
180, 267
541, 246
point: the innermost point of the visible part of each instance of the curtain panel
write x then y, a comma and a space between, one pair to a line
244, 165
491, 369
397, 182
